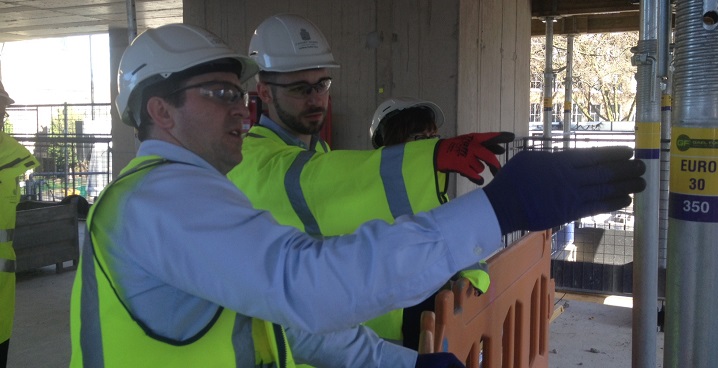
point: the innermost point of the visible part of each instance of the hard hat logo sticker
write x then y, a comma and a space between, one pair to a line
307, 42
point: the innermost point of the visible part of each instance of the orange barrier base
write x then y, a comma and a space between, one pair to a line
508, 326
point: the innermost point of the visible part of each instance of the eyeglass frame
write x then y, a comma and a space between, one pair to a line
206, 92
419, 137
308, 87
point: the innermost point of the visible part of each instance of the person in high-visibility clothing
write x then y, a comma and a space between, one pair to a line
400, 120
179, 269
15, 160
303, 183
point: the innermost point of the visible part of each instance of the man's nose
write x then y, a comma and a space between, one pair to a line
240, 110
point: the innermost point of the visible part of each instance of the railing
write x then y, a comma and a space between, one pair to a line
73, 145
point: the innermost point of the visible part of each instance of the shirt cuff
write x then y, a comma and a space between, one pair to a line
393, 356
469, 220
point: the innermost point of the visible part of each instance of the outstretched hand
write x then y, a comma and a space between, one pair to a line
468, 154
537, 190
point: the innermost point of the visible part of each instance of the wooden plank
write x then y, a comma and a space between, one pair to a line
438, 51
354, 100
507, 108
522, 79
469, 63
490, 21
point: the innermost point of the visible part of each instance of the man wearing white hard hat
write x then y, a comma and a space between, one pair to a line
181, 270
297, 177
15, 160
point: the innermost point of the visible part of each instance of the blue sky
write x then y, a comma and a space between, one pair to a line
57, 70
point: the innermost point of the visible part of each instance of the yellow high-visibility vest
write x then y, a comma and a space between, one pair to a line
105, 333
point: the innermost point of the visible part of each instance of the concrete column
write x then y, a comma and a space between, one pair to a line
124, 142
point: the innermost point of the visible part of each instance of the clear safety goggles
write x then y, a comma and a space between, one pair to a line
225, 92
303, 89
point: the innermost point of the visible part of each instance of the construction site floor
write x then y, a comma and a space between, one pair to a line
585, 334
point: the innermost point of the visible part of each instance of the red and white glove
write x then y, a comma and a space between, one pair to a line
469, 154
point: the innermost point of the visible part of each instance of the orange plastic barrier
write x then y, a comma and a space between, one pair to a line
508, 326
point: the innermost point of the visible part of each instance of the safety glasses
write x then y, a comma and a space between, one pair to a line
418, 137
303, 89
225, 92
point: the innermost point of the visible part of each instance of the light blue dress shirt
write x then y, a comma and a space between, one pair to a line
187, 241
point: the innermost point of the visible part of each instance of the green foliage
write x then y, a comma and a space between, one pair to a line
602, 72
60, 154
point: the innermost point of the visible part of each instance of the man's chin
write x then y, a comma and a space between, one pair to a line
314, 128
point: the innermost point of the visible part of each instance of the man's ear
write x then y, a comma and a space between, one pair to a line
264, 92
157, 109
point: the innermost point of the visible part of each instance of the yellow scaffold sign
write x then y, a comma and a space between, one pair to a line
694, 174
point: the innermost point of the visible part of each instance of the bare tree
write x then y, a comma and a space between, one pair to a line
604, 84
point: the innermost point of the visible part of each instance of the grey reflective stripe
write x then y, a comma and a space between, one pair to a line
296, 197
392, 161
90, 327
6, 235
7, 265
255, 135
242, 341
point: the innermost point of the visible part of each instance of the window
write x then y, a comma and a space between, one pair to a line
536, 81
535, 113
595, 112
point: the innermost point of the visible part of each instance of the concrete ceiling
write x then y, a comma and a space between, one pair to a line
33, 19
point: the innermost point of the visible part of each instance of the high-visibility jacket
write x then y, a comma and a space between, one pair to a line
328, 193
15, 160
106, 334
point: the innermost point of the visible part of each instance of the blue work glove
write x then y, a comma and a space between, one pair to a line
468, 154
537, 190
438, 360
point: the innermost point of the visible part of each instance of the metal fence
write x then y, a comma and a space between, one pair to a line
73, 145
593, 254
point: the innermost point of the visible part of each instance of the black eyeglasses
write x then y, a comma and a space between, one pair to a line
226, 92
303, 89
418, 137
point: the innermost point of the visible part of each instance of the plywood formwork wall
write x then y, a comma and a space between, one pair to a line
468, 56
493, 83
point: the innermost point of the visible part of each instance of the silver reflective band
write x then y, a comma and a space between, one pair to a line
7, 265
6, 235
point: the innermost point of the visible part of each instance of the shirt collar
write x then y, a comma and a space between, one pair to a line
172, 152
286, 135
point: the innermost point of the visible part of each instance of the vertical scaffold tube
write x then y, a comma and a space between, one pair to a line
648, 144
548, 84
692, 271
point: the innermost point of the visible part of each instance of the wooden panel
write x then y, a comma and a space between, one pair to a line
508, 66
542, 8
353, 102
46, 236
468, 72
465, 55
490, 20
439, 54
523, 71
595, 23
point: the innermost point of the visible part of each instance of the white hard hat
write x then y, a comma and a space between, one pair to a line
157, 53
288, 43
396, 104
4, 97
